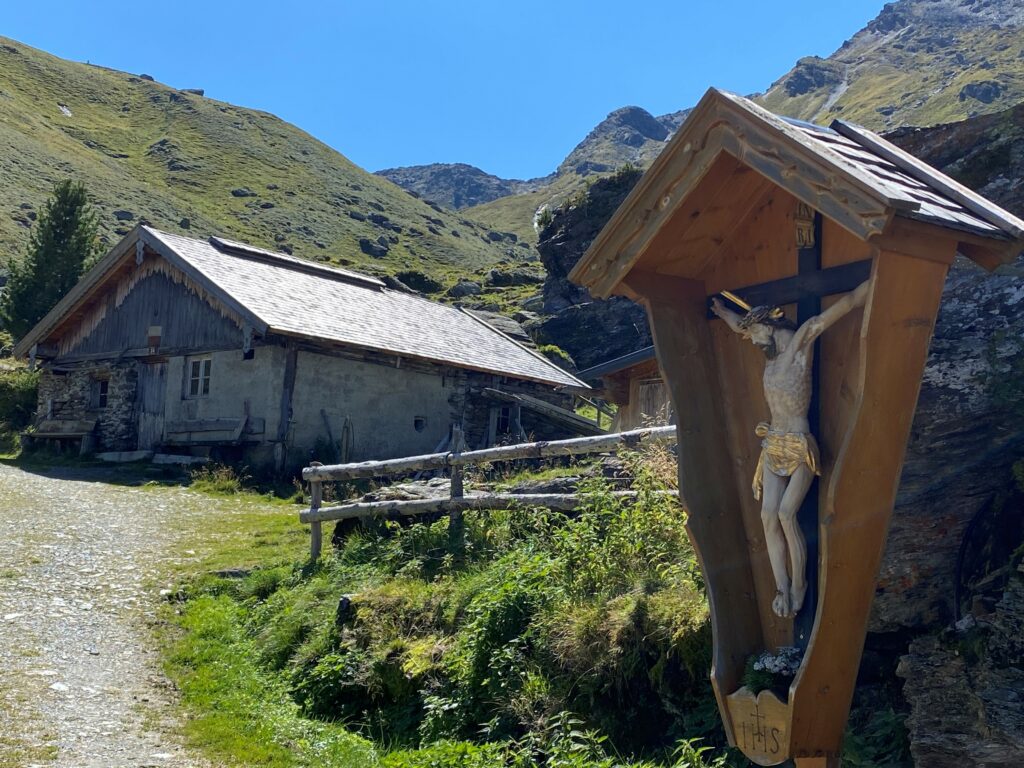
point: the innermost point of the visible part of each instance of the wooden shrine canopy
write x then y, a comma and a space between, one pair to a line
786, 213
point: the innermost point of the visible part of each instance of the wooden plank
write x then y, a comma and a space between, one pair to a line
906, 162
551, 412
763, 250
563, 502
316, 496
690, 240
809, 260
676, 310
861, 490
537, 450
203, 425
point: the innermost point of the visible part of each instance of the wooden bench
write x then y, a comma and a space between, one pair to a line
61, 432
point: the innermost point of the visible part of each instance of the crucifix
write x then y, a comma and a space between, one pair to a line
785, 480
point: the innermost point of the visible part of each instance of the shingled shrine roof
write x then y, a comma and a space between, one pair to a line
280, 294
850, 174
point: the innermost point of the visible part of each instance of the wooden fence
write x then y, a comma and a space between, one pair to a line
455, 461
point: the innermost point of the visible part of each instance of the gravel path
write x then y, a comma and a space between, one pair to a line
80, 563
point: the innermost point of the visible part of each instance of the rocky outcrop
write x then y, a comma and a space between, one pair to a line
965, 437
455, 185
965, 688
628, 135
590, 331
917, 63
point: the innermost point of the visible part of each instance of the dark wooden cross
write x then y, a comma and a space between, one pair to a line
806, 289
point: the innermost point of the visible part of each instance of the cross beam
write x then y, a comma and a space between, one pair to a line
809, 283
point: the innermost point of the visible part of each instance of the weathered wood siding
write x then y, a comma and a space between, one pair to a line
186, 321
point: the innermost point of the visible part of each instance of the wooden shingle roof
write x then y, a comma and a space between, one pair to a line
283, 295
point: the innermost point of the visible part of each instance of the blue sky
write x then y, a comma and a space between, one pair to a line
510, 87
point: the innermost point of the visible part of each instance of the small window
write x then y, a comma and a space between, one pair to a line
198, 384
419, 423
504, 420
98, 396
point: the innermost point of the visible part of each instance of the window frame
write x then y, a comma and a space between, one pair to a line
99, 393
198, 374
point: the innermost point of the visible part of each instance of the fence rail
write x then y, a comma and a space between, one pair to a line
455, 460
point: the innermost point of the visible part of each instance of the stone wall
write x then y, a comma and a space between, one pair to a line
68, 394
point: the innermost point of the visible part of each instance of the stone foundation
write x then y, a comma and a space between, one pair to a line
69, 394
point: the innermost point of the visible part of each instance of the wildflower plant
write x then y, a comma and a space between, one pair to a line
772, 671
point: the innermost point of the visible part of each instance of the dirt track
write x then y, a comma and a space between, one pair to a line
80, 563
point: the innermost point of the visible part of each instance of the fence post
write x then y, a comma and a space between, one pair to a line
316, 497
456, 524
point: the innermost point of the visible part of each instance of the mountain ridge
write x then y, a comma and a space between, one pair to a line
918, 62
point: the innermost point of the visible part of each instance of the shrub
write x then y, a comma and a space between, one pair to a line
19, 392
218, 479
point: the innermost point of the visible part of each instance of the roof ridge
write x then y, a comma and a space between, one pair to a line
247, 251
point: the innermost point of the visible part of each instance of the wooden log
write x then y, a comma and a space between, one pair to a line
316, 495
562, 502
580, 445
537, 450
403, 466
551, 412
456, 524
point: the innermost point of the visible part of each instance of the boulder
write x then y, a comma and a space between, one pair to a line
372, 248
242, 192
965, 688
123, 215
420, 281
464, 288
500, 278
985, 91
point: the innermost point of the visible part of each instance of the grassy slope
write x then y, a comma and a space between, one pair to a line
165, 155
893, 82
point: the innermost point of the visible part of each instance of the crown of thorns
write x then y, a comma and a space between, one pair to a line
770, 316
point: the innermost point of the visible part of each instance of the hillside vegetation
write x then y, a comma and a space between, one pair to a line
560, 641
919, 62
193, 165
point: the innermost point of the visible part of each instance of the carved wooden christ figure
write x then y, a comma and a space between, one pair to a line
789, 452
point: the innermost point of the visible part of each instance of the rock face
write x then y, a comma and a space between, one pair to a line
590, 331
964, 439
969, 428
966, 690
455, 185
627, 135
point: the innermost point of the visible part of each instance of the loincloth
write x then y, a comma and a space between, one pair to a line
783, 453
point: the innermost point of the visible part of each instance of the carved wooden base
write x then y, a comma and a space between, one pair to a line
760, 725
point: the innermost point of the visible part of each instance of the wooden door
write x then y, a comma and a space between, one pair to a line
152, 392
653, 403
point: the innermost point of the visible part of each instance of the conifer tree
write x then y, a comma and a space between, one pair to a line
63, 241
